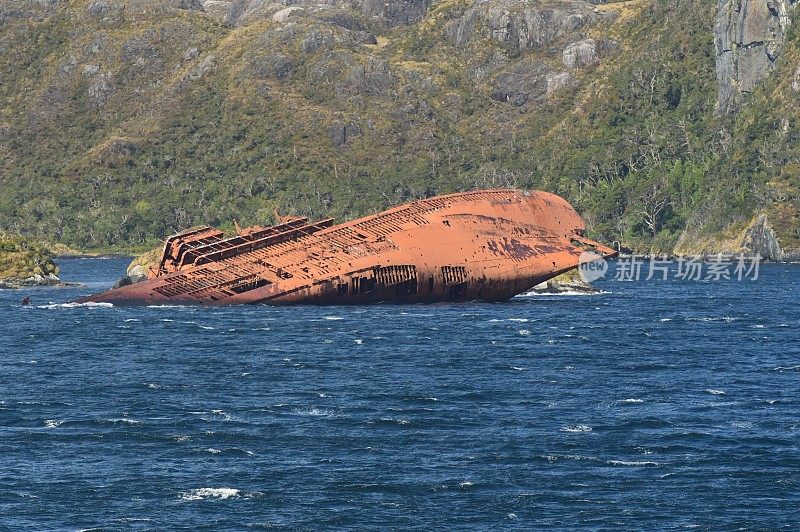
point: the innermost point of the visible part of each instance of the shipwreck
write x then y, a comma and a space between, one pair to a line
487, 245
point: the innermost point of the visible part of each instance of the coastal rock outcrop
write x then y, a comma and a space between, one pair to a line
760, 239
26, 263
748, 36
138, 268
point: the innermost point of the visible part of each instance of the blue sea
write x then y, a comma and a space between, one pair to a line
654, 404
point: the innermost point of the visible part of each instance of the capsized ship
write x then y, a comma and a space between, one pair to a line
487, 245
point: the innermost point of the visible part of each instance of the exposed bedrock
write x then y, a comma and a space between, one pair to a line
748, 36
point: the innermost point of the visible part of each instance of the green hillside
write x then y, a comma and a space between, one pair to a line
125, 120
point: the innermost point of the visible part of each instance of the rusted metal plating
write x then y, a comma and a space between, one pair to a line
487, 245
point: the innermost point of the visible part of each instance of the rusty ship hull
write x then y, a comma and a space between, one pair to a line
485, 245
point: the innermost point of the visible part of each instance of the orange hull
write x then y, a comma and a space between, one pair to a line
486, 245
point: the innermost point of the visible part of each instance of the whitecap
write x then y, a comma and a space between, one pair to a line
517, 368
213, 451
206, 327
466, 484
396, 421
665, 319
126, 420
576, 428
88, 304
225, 417
52, 423
205, 493
317, 412
632, 401
521, 320
333, 318
524, 332
715, 392
632, 462
359, 341
131, 319
757, 326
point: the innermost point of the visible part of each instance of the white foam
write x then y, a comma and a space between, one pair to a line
632, 401
317, 412
569, 293
206, 493
524, 332
466, 484
727, 319
521, 320
333, 318
359, 341
213, 451
127, 420
576, 428
632, 462
88, 304
52, 423
715, 392
398, 421
517, 368
665, 319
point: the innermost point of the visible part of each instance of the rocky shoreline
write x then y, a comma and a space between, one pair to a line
569, 282
35, 281
26, 263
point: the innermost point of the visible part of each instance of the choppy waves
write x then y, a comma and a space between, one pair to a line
650, 407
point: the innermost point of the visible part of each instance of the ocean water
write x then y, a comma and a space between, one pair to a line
657, 404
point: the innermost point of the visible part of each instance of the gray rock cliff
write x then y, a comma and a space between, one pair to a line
748, 35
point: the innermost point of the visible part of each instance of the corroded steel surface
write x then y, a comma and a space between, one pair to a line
486, 245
